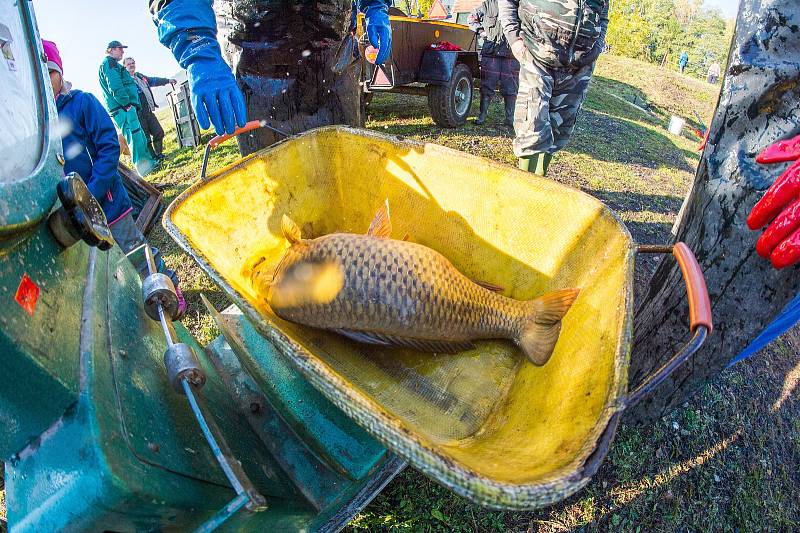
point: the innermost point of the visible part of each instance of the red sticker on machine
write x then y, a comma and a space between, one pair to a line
27, 294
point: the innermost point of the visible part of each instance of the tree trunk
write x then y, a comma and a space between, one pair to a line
758, 105
282, 52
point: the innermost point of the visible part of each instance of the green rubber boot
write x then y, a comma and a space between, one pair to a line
536, 163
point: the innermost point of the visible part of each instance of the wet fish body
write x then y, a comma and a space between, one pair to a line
378, 290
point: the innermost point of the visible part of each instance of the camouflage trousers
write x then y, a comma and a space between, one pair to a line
547, 106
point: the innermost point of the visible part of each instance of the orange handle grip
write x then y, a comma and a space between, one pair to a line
699, 302
219, 139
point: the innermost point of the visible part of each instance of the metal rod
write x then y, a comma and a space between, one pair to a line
166, 325
246, 493
151, 261
223, 514
663, 373
654, 249
205, 161
276, 130
219, 447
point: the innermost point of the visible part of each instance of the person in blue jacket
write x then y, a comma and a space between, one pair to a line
91, 150
683, 61
282, 53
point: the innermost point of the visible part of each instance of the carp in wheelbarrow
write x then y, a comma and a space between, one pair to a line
377, 290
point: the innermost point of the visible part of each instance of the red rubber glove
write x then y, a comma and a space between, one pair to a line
781, 151
780, 205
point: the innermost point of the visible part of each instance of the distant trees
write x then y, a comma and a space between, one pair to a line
658, 31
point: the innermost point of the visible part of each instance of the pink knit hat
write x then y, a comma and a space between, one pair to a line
53, 57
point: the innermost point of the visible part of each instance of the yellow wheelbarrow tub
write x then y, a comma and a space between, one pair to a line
485, 422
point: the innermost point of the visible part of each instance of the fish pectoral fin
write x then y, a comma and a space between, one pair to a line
290, 230
423, 345
490, 286
307, 283
381, 225
361, 336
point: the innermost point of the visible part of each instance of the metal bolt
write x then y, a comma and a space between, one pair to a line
123, 354
255, 407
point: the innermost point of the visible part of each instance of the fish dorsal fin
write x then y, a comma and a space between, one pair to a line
307, 283
381, 226
489, 286
423, 345
290, 230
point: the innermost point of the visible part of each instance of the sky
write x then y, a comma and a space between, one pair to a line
83, 28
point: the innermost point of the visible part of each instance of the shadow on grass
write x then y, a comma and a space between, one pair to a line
607, 129
622, 99
620, 140
632, 201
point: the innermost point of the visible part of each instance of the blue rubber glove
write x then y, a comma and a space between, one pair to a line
379, 31
188, 28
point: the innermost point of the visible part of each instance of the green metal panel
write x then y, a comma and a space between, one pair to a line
160, 427
40, 376
330, 433
88, 472
29, 198
128, 455
94, 437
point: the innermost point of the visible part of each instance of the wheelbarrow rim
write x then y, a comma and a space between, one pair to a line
389, 430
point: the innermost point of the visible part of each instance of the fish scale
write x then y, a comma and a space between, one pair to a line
378, 290
388, 280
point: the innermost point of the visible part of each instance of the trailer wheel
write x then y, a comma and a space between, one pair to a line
450, 103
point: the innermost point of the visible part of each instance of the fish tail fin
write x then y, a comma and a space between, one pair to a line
543, 324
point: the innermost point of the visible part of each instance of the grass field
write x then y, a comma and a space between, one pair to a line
728, 460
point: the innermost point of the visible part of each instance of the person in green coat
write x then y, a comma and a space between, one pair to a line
122, 102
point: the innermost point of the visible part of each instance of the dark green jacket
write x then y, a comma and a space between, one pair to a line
119, 89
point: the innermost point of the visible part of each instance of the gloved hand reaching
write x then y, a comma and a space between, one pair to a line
216, 96
781, 151
780, 205
379, 31
188, 28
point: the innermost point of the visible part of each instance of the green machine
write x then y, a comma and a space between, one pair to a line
114, 418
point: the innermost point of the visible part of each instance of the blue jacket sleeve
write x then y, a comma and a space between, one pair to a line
189, 29
102, 144
366, 5
154, 81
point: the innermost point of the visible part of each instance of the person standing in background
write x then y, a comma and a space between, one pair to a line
683, 61
147, 104
91, 151
122, 102
498, 63
557, 44
713, 73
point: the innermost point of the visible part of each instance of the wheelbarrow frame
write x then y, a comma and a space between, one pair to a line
452, 475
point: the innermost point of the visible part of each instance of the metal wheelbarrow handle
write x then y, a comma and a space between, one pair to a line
219, 139
700, 320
